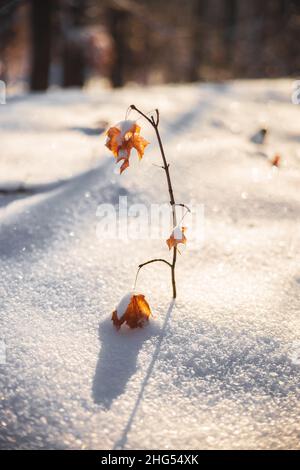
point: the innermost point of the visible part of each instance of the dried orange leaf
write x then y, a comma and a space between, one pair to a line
122, 138
133, 310
176, 237
276, 160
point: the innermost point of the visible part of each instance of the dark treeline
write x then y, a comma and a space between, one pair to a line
66, 42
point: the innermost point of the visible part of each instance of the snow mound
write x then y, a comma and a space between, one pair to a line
219, 368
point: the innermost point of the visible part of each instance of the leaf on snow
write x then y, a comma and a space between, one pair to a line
276, 160
133, 310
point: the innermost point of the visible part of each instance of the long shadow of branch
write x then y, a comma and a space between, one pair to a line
117, 361
120, 444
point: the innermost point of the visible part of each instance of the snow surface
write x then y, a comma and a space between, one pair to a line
125, 126
213, 370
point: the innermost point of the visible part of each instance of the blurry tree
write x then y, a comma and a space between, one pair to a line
74, 61
41, 27
197, 27
150, 41
7, 16
117, 26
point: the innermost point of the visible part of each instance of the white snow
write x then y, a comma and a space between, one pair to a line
123, 304
177, 233
125, 126
213, 370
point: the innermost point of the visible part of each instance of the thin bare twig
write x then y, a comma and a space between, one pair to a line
155, 260
154, 123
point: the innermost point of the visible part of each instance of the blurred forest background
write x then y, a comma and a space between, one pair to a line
73, 42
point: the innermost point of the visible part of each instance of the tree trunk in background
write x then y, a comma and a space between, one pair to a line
117, 20
6, 35
74, 60
274, 39
249, 38
197, 40
41, 27
215, 45
74, 65
292, 38
229, 32
212, 38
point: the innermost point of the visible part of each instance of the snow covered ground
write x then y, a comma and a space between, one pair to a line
219, 368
